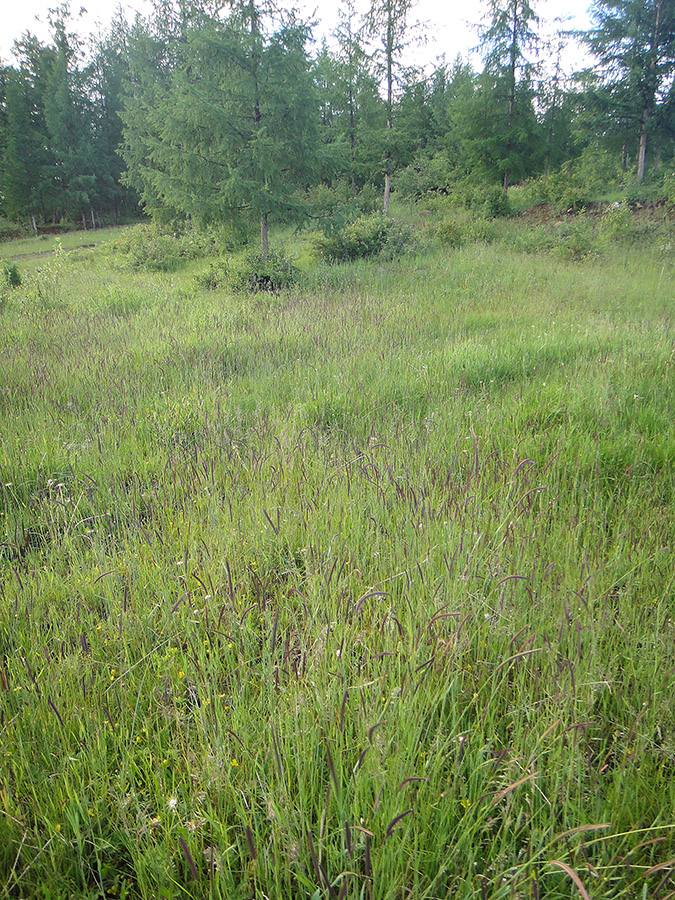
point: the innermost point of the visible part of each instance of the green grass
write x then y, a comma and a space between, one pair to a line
27, 249
364, 590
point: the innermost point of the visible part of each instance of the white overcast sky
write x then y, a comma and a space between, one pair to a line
449, 22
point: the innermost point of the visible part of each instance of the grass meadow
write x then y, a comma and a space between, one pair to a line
361, 590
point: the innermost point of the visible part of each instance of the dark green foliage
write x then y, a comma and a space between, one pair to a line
228, 132
504, 121
11, 275
456, 232
147, 248
634, 41
60, 129
271, 272
367, 236
216, 275
216, 116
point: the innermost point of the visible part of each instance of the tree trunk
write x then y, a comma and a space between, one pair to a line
34, 224
644, 118
642, 145
264, 236
657, 155
352, 137
390, 105
512, 92
387, 192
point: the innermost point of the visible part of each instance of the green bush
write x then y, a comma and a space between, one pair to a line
616, 223
10, 275
258, 273
427, 177
669, 188
535, 239
577, 183
217, 274
576, 239
457, 232
159, 253
10, 230
341, 203
365, 237
482, 199
146, 248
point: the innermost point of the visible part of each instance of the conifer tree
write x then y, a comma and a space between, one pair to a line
234, 131
634, 41
506, 40
387, 24
26, 163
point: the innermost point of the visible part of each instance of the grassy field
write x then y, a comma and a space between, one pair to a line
25, 250
364, 590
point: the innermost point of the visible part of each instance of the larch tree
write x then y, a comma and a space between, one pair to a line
387, 24
26, 165
233, 131
506, 40
634, 42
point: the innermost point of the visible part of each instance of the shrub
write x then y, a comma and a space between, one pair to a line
10, 230
10, 275
534, 239
456, 232
159, 253
616, 223
257, 273
577, 240
483, 199
365, 237
494, 203
669, 188
46, 281
341, 203
426, 177
217, 274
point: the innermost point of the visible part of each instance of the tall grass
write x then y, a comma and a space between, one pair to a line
362, 590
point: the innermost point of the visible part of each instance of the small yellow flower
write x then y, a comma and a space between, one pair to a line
58, 827
181, 674
465, 803
234, 763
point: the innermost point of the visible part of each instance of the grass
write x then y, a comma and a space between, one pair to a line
33, 247
361, 590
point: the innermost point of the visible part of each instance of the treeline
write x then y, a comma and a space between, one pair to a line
212, 113
60, 128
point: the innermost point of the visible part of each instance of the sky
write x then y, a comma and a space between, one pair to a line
448, 22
